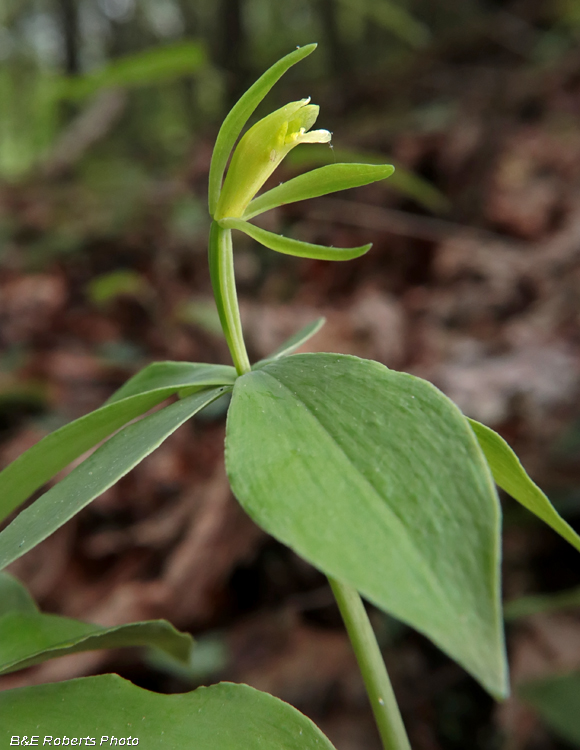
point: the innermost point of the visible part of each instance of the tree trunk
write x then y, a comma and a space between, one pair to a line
68, 15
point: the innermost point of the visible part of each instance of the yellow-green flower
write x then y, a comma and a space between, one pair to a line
261, 150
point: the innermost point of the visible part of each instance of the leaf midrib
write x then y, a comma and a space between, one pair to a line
431, 579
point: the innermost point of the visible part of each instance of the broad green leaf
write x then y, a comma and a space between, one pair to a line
375, 478
14, 597
511, 476
538, 603
293, 343
152, 66
28, 638
142, 392
294, 247
238, 116
318, 182
402, 180
220, 717
97, 473
557, 700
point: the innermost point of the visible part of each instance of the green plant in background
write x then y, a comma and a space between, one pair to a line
29, 125
372, 475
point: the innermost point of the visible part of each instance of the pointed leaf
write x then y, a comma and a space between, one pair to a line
238, 116
557, 700
96, 474
142, 392
175, 375
14, 597
375, 478
511, 476
293, 343
220, 717
294, 247
318, 182
30, 638
56, 451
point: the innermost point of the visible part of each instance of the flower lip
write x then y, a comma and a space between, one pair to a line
312, 136
262, 149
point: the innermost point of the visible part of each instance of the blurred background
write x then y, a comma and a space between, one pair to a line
108, 111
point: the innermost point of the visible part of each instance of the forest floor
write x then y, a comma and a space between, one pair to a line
482, 300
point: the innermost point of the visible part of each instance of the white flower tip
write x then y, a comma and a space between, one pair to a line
315, 136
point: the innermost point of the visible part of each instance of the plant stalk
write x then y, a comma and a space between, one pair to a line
221, 269
372, 667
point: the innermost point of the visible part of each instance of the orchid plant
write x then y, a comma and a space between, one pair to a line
372, 475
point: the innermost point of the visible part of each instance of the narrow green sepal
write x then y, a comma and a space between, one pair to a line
262, 149
238, 116
321, 181
288, 246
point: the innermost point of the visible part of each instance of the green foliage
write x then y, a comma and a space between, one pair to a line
402, 180
225, 716
392, 17
32, 96
318, 182
262, 149
109, 286
97, 473
239, 115
160, 64
29, 118
511, 476
29, 637
538, 603
203, 313
176, 376
293, 343
288, 246
14, 596
139, 394
557, 700
374, 477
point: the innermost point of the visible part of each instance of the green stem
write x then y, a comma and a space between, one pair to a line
221, 269
372, 667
